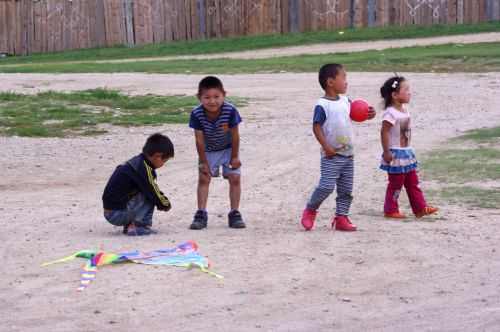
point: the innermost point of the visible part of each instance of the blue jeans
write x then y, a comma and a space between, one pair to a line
139, 212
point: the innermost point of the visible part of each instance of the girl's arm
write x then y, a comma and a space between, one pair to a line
200, 147
384, 135
235, 148
318, 133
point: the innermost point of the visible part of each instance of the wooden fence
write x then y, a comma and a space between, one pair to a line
32, 26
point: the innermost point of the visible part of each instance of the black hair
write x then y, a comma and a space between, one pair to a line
210, 82
393, 84
330, 70
158, 143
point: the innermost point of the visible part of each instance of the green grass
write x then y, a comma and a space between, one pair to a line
255, 42
55, 114
469, 196
482, 57
455, 168
461, 166
482, 135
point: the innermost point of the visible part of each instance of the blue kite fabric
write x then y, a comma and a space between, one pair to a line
184, 255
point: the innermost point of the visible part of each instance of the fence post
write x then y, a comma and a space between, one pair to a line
129, 22
352, 13
372, 10
460, 11
200, 4
293, 15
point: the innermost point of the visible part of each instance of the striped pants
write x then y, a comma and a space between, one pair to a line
335, 172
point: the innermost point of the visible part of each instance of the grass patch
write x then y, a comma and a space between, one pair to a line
481, 57
461, 166
469, 196
482, 135
255, 42
56, 114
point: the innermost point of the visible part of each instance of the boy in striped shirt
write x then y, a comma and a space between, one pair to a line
215, 123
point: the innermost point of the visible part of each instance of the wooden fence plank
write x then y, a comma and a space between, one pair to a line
452, 12
3, 29
55, 17
143, 22
28, 26
75, 24
169, 19
384, 11
212, 18
496, 10
359, 13
115, 22
97, 28
158, 20
201, 18
294, 16
36, 37
11, 25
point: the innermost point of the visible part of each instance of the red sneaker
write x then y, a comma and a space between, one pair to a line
342, 223
308, 217
395, 215
428, 210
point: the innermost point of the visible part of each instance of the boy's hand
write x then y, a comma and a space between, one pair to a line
235, 163
204, 168
387, 156
371, 113
329, 152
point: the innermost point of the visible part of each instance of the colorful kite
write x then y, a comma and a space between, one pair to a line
184, 255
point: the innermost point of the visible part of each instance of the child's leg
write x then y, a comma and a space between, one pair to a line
233, 176
141, 210
330, 172
394, 186
344, 187
234, 190
202, 194
415, 194
118, 217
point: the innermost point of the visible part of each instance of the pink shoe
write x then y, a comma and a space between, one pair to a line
308, 217
342, 223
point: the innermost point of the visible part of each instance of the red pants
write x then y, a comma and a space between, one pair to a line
415, 195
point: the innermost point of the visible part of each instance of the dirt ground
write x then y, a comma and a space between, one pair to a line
389, 276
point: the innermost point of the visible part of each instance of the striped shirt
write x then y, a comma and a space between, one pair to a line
216, 132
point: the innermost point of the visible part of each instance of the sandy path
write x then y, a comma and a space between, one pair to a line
327, 48
389, 276
342, 47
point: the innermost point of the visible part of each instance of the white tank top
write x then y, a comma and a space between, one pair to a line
338, 126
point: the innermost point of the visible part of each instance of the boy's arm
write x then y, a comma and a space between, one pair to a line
384, 135
200, 147
150, 189
161, 201
235, 148
318, 133
371, 112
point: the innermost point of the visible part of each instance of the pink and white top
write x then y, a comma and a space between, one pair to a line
400, 132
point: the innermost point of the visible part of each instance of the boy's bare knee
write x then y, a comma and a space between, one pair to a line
203, 179
234, 179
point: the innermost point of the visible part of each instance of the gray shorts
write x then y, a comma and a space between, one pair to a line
216, 159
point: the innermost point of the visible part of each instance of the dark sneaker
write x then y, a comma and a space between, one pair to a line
200, 220
133, 230
152, 231
235, 220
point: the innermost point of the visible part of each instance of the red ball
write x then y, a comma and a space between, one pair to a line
359, 110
